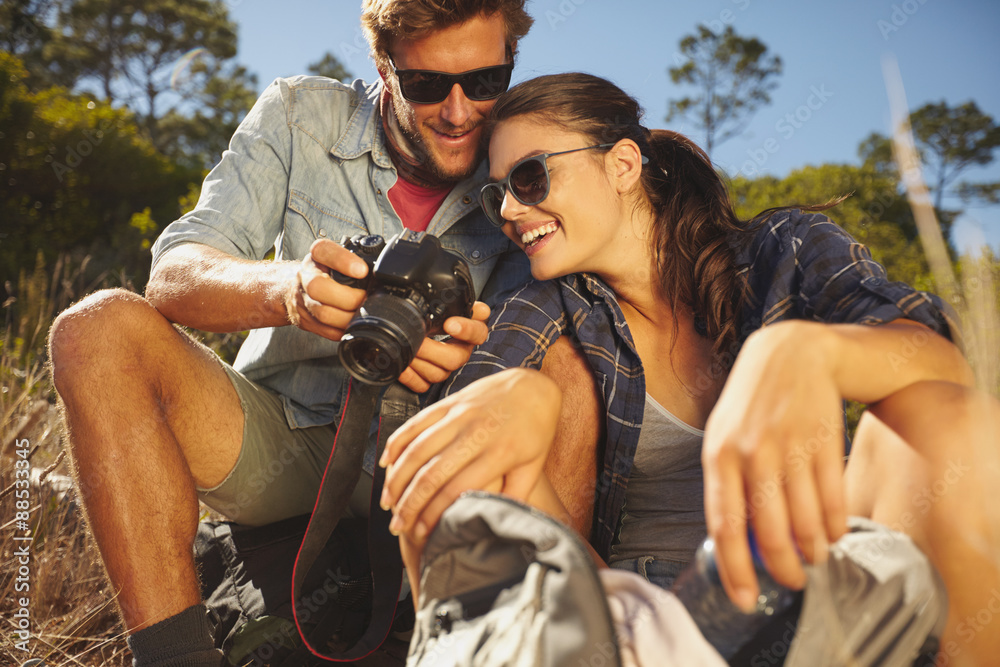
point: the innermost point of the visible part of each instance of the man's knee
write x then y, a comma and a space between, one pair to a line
566, 364
91, 332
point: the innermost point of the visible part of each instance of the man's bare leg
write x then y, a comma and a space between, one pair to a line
150, 414
572, 463
926, 461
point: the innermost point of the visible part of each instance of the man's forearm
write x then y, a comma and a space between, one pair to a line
204, 288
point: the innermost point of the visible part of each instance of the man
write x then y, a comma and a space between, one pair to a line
156, 421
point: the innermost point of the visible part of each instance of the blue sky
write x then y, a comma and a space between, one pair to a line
833, 51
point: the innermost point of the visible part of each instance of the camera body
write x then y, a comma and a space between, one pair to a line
413, 286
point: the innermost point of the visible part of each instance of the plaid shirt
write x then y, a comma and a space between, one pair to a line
801, 266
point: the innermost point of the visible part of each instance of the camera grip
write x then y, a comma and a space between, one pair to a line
368, 248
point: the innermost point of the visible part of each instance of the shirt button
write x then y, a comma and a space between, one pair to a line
322, 232
475, 254
466, 199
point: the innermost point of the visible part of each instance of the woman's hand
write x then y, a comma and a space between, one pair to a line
494, 434
411, 548
774, 443
773, 458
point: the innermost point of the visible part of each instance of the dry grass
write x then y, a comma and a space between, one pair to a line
72, 616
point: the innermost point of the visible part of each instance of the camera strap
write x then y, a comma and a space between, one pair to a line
339, 479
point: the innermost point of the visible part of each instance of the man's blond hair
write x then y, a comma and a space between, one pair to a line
386, 20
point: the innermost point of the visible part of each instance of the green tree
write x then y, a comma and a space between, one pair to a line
198, 140
949, 140
75, 172
330, 66
875, 152
875, 214
24, 32
733, 75
952, 139
131, 48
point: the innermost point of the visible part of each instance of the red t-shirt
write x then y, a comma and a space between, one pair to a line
416, 205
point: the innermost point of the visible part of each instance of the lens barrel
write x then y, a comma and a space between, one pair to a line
382, 339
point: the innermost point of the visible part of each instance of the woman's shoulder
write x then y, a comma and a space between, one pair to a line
555, 296
795, 223
789, 232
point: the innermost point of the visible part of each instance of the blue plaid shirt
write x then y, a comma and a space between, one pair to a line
800, 266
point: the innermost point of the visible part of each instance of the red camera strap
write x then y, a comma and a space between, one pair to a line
339, 479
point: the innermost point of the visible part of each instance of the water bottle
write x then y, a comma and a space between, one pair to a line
723, 624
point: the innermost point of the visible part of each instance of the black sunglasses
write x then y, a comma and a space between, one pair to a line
424, 86
528, 181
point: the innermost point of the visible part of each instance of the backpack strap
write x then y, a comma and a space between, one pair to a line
339, 479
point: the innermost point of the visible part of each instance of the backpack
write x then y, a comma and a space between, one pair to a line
502, 583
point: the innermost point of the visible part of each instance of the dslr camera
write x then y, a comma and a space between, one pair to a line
413, 286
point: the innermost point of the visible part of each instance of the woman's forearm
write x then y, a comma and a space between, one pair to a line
865, 362
872, 362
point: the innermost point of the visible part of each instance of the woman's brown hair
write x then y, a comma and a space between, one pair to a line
696, 231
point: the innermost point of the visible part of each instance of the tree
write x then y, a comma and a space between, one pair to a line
949, 140
24, 32
131, 48
734, 76
198, 140
330, 66
76, 172
875, 214
952, 139
875, 152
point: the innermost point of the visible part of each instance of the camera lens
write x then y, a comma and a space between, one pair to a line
382, 339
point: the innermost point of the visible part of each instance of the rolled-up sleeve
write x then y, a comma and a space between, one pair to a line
805, 266
243, 199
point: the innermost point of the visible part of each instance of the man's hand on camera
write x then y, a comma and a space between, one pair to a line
316, 302
436, 360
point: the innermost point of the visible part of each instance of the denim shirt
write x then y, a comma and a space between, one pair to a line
308, 162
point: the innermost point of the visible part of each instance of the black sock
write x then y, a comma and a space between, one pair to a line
184, 640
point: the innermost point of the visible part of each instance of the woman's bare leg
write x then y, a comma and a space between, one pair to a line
926, 462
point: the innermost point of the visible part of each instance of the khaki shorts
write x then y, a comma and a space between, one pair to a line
279, 469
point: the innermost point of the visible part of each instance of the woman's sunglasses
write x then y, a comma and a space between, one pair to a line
528, 181
424, 86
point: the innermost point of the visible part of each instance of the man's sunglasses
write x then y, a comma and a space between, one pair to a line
528, 181
424, 86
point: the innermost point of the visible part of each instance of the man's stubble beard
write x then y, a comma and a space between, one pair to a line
408, 126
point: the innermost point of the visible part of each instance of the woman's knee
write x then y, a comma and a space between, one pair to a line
941, 420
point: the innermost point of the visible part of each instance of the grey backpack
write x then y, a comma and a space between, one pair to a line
504, 584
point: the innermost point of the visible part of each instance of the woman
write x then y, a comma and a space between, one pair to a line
715, 343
